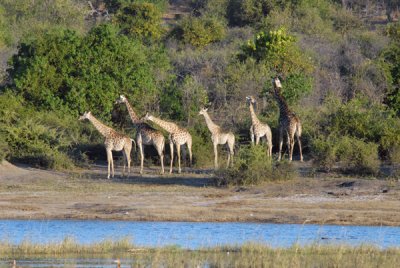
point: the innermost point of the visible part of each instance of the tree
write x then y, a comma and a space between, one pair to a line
63, 71
140, 20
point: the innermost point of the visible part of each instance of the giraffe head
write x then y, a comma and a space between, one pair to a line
121, 99
203, 111
276, 82
251, 100
147, 117
86, 115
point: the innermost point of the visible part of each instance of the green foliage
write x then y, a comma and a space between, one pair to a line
248, 12
393, 31
203, 154
140, 20
351, 154
390, 62
38, 138
353, 135
63, 71
278, 50
200, 31
252, 166
115, 5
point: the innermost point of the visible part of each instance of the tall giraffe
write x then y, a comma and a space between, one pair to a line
219, 137
288, 122
257, 128
177, 136
145, 135
114, 142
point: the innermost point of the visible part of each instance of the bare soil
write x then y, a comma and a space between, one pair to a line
319, 198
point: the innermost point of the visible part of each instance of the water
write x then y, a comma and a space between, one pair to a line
195, 235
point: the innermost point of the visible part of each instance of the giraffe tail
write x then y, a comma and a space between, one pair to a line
134, 143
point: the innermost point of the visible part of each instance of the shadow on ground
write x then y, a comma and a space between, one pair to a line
151, 176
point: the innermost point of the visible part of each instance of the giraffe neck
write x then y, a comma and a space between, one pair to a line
167, 126
135, 119
210, 124
253, 115
103, 129
283, 107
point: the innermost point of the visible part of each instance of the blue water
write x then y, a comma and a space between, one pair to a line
194, 235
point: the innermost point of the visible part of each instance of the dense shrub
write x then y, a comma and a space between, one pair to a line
350, 154
63, 71
390, 62
279, 50
353, 135
200, 31
115, 5
252, 166
39, 138
141, 20
248, 12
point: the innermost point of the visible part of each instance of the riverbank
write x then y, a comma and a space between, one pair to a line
318, 198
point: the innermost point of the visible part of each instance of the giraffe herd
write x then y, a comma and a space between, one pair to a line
289, 124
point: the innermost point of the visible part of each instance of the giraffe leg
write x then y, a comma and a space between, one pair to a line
252, 135
280, 143
299, 143
112, 165
189, 145
291, 146
231, 145
171, 147
215, 155
141, 151
128, 159
109, 160
257, 139
124, 156
160, 149
178, 152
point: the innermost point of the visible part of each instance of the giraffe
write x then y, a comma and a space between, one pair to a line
145, 135
288, 122
177, 136
219, 137
257, 128
114, 141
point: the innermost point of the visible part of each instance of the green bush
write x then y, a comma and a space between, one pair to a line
350, 154
203, 153
140, 20
248, 12
64, 71
37, 137
278, 50
352, 135
199, 31
3, 147
252, 166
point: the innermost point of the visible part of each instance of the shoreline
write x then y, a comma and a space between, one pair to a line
324, 199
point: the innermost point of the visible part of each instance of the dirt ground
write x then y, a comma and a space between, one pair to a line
27, 193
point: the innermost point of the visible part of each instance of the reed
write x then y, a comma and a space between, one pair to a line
247, 255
